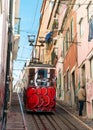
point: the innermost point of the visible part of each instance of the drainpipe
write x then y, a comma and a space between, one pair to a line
7, 78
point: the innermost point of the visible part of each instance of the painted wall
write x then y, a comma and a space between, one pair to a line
3, 47
89, 104
59, 70
84, 47
59, 66
70, 59
85, 50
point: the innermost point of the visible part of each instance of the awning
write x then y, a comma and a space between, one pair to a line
48, 37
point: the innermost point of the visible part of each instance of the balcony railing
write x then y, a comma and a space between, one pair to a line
55, 25
54, 58
17, 26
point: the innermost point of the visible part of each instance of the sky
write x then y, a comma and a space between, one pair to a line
30, 17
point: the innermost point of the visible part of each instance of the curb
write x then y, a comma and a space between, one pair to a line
89, 128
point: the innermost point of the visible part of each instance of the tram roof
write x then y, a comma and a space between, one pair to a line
42, 66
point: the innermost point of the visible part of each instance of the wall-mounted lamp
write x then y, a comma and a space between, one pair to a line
42, 39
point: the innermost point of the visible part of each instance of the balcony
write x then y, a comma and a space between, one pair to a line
15, 45
16, 37
55, 24
54, 57
55, 28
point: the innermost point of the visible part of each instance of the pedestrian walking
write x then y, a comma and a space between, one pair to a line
81, 99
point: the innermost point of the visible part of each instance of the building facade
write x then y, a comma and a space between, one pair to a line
85, 50
69, 33
7, 22
68, 45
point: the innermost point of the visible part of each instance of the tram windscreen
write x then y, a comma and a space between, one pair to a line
42, 73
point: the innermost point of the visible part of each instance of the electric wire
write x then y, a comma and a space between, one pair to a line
35, 14
79, 5
69, 4
56, 2
61, 2
34, 20
82, 4
28, 32
32, 25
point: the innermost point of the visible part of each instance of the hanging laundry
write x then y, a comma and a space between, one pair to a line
48, 37
90, 37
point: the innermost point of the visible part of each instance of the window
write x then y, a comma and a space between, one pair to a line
81, 31
42, 55
90, 20
64, 47
91, 67
73, 84
55, 24
67, 41
65, 83
51, 4
83, 74
72, 30
68, 79
42, 73
89, 10
0, 6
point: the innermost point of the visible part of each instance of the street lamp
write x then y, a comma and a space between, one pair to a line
42, 40
31, 40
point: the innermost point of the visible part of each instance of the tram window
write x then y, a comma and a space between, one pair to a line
31, 76
41, 78
42, 73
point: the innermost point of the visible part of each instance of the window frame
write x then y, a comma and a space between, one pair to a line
91, 67
83, 73
88, 11
81, 27
72, 30
0, 6
67, 39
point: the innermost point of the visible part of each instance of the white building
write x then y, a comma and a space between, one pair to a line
9, 10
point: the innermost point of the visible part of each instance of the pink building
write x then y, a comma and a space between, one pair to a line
60, 13
85, 49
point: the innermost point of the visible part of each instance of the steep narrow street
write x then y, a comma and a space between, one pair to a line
63, 119
46, 64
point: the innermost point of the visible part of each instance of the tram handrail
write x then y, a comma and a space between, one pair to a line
22, 112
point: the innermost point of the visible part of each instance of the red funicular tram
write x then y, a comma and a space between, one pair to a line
40, 95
